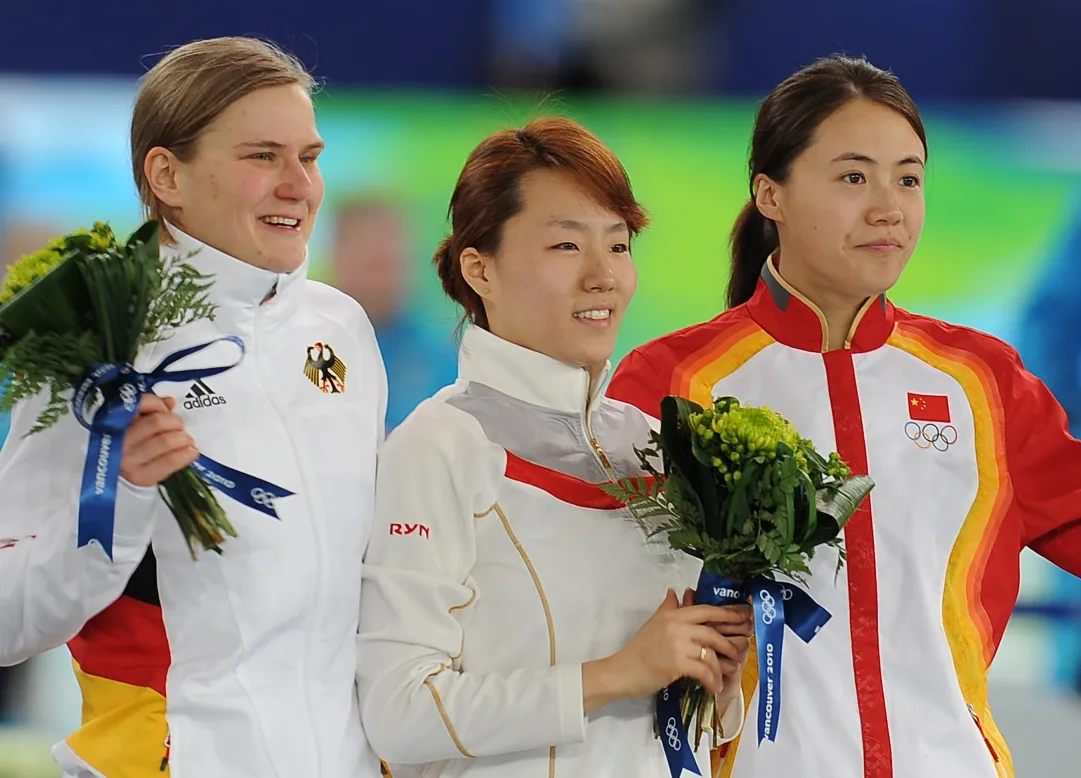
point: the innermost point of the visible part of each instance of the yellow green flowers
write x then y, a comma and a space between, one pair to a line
34, 266
28, 270
740, 489
730, 434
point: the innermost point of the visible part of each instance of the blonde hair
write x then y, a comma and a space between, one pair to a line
191, 86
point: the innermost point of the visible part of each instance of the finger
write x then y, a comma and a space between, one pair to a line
702, 671
151, 403
704, 614
745, 612
671, 602
170, 403
688, 597
156, 471
153, 448
715, 668
149, 425
725, 648
728, 667
745, 629
742, 645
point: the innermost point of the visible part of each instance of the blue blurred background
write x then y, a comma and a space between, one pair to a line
671, 85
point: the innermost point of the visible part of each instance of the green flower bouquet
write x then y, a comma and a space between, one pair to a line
73, 318
740, 489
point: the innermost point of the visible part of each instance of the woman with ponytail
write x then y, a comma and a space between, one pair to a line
969, 452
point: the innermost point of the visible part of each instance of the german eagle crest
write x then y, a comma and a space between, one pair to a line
325, 369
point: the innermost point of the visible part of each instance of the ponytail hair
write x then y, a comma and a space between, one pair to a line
785, 125
753, 240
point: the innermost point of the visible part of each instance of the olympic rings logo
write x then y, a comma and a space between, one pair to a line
263, 497
672, 731
931, 435
786, 593
769, 607
128, 396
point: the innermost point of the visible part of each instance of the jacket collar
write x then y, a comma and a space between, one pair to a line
524, 374
792, 319
239, 289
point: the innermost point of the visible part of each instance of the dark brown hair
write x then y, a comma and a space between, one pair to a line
784, 127
488, 193
191, 86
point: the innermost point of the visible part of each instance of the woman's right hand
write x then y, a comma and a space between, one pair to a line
669, 646
156, 445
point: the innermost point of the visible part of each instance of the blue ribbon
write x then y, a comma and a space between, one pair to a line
121, 387
776, 605
674, 738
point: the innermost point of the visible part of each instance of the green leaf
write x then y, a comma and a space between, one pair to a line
626, 489
724, 404
675, 443
180, 298
50, 305
842, 501
738, 508
809, 513
146, 238
50, 361
644, 502
814, 459
788, 517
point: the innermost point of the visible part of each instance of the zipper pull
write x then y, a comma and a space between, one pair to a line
165, 759
600, 453
979, 726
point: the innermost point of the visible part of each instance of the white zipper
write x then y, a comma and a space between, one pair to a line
318, 582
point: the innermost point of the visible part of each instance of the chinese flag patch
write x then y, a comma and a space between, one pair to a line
928, 407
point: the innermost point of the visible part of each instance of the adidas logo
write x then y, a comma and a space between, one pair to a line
202, 396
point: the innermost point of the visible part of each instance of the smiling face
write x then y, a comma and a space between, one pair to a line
851, 211
251, 187
562, 276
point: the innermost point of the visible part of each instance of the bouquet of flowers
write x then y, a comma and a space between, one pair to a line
738, 488
73, 317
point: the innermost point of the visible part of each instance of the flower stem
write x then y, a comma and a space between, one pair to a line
201, 518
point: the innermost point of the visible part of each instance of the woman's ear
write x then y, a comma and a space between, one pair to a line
768, 198
476, 269
162, 170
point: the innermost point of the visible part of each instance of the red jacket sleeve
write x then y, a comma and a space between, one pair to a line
638, 381
1044, 462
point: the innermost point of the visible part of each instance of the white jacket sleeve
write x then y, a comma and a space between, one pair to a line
732, 719
49, 588
417, 704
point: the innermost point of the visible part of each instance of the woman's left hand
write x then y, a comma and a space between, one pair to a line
740, 634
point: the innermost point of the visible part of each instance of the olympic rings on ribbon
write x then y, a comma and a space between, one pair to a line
930, 435
672, 731
769, 607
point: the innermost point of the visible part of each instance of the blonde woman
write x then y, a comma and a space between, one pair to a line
244, 663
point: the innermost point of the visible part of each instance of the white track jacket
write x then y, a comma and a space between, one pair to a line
497, 567
235, 665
